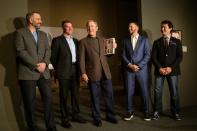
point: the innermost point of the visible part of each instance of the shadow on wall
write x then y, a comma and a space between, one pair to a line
8, 61
148, 34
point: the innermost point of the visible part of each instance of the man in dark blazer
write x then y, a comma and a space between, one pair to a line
33, 54
166, 56
135, 56
95, 71
65, 59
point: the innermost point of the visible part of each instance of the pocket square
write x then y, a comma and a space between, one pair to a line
172, 43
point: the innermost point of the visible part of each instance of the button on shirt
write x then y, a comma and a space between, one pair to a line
71, 45
134, 40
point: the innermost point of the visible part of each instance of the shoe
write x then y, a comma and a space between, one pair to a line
98, 123
147, 117
31, 129
52, 129
156, 116
177, 117
66, 124
112, 120
128, 116
79, 119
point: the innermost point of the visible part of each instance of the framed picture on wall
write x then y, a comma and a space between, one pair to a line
177, 34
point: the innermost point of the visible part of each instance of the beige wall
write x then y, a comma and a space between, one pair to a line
10, 101
183, 15
53, 12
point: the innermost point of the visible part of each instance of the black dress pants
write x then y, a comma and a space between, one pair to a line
71, 85
28, 89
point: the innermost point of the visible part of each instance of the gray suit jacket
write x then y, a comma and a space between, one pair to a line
90, 58
29, 54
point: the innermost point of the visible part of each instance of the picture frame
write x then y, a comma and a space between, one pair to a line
108, 49
177, 34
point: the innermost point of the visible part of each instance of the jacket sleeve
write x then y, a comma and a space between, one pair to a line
123, 53
154, 55
179, 55
47, 55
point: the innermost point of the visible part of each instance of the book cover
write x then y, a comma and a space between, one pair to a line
109, 46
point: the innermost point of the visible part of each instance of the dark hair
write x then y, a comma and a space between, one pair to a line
134, 23
169, 23
65, 21
30, 14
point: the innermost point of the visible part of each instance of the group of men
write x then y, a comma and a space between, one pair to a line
85, 59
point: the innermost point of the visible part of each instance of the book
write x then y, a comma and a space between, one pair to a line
109, 49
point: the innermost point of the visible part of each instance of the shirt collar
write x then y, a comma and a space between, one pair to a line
168, 37
68, 36
136, 37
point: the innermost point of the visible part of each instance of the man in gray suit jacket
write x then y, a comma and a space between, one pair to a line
95, 71
33, 54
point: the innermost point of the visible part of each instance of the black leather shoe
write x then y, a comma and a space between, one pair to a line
66, 124
32, 128
79, 119
112, 120
98, 123
52, 129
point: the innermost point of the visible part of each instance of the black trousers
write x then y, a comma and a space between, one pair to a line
69, 85
28, 89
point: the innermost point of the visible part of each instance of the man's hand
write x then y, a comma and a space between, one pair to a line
115, 45
168, 70
162, 71
41, 67
84, 77
165, 71
133, 67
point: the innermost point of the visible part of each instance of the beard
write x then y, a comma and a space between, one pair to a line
37, 25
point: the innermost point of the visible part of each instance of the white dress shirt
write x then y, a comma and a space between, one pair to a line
134, 40
72, 47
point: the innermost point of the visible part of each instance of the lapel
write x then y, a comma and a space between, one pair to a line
76, 46
130, 46
101, 46
31, 36
162, 45
65, 43
39, 44
138, 43
170, 44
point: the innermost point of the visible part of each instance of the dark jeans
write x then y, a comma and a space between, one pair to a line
174, 95
103, 86
28, 89
72, 85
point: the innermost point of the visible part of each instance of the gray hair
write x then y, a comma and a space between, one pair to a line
95, 22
